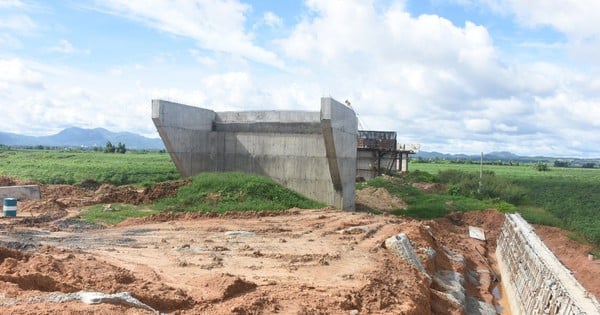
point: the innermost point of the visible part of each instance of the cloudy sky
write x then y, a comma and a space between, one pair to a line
456, 76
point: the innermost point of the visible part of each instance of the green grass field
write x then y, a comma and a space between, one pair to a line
565, 197
521, 171
72, 167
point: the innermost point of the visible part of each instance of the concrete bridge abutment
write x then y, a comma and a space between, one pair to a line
313, 153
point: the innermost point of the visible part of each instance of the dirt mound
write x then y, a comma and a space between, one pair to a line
162, 190
58, 200
108, 193
10, 181
54, 270
372, 198
223, 286
7, 181
90, 184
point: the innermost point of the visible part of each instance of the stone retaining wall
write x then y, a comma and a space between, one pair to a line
533, 278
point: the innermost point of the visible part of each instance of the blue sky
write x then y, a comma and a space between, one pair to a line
456, 76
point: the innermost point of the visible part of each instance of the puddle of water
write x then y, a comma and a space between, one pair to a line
500, 301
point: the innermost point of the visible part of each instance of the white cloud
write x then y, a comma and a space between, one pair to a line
576, 19
4, 4
443, 85
14, 71
213, 24
116, 71
9, 41
18, 23
478, 125
429, 73
65, 47
506, 128
272, 20
202, 59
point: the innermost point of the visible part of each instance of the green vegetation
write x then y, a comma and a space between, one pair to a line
72, 167
423, 205
110, 148
540, 167
221, 192
560, 196
118, 213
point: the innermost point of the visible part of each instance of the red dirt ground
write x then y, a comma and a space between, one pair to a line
320, 261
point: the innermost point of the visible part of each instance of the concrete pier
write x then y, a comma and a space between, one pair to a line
313, 153
533, 278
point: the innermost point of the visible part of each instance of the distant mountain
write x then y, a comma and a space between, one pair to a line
78, 137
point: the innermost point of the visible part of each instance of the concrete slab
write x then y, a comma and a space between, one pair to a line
23, 192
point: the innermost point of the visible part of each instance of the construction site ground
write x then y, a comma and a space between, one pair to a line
320, 261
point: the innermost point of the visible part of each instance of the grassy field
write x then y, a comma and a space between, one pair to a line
565, 197
71, 167
521, 171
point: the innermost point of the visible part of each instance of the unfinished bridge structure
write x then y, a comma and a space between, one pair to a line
313, 153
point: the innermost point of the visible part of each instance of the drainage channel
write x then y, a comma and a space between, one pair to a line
533, 279
501, 303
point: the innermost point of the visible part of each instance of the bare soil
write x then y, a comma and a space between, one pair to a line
373, 198
573, 255
320, 261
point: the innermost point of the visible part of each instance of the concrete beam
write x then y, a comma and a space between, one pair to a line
21, 192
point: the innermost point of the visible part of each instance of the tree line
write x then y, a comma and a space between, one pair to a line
119, 148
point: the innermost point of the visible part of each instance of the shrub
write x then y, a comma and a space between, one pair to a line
540, 167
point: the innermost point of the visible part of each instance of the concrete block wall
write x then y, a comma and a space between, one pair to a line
533, 278
313, 153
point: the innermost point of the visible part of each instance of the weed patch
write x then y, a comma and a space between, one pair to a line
118, 213
220, 192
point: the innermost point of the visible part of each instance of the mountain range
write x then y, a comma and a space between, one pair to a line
80, 137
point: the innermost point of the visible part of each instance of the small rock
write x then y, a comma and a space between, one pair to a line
239, 233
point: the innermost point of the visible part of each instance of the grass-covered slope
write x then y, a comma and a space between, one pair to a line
221, 192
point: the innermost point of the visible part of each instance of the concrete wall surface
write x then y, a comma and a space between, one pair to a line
313, 153
533, 278
25, 192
